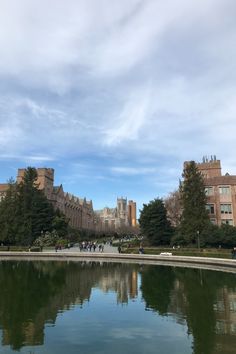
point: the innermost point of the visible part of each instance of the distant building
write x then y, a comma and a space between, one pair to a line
132, 213
220, 191
124, 214
79, 211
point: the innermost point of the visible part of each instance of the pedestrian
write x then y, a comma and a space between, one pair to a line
141, 250
233, 253
119, 249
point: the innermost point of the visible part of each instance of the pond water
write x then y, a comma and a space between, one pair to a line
91, 307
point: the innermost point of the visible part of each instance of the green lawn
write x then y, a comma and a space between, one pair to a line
205, 252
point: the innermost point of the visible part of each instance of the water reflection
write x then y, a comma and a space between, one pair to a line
205, 299
34, 293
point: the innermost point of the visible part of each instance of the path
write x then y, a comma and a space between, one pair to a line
107, 249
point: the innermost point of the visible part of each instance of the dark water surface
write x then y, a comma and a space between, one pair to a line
110, 308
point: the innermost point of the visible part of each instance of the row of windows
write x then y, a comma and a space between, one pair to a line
222, 190
227, 222
223, 222
224, 208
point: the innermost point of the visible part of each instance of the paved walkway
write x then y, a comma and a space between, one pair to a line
107, 249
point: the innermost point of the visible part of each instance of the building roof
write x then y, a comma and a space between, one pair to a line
221, 180
3, 187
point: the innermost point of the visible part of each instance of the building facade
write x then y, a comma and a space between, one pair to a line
79, 211
132, 213
124, 214
220, 192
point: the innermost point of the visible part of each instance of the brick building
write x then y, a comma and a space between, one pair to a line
79, 211
220, 191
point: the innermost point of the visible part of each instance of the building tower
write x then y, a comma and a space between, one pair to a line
45, 179
132, 213
122, 210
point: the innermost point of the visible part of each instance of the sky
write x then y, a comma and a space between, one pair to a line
116, 95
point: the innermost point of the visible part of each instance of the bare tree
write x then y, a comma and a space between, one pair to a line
173, 207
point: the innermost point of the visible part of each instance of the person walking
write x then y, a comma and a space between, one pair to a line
234, 253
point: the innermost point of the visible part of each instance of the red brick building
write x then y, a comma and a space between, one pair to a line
220, 191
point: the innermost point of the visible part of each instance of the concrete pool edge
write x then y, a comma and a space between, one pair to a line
204, 262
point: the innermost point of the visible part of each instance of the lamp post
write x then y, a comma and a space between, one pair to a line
198, 240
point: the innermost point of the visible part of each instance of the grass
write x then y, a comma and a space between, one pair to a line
204, 252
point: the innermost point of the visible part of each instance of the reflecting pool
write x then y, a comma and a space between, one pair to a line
111, 308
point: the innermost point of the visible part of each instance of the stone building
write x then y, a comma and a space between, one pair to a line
79, 211
220, 191
124, 214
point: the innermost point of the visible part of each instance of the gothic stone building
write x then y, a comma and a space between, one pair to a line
123, 215
79, 211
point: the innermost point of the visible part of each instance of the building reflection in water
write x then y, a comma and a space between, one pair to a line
33, 293
204, 300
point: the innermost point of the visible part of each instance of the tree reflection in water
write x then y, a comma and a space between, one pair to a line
195, 296
33, 293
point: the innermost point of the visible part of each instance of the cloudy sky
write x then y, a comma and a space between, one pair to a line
115, 95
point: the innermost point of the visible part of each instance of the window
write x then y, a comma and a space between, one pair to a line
224, 190
227, 222
225, 209
209, 191
232, 306
210, 208
213, 221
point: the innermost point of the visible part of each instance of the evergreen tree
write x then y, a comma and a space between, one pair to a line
60, 223
194, 217
25, 212
35, 213
154, 223
8, 225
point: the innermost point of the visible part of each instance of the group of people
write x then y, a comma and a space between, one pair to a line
90, 246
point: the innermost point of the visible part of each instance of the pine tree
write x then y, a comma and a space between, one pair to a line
8, 224
35, 213
194, 217
25, 212
60, 223
154, 223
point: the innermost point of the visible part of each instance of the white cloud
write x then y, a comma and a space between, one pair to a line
133, 117
133, 171
137, 80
